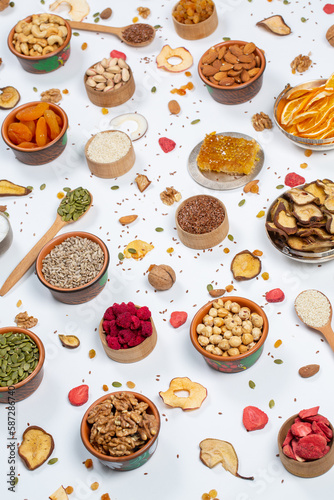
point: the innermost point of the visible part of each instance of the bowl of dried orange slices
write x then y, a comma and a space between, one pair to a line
304, 114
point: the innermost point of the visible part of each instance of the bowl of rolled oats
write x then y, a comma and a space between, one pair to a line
73, 266
121, 429
229, 333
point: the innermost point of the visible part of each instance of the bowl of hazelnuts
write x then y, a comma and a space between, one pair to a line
230, 333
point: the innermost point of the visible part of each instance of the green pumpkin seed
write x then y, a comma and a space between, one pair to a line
132, 250
159, 229
271, 404
251, 384
120, 256
52, 461
242, 202
209, 287
278, 361
116, 384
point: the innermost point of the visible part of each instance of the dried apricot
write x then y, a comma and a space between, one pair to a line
27, 145
18, 132
52, 124
32, 112
41, 132
31, 126
59, 120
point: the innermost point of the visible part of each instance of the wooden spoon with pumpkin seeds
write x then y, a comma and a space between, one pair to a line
75, 204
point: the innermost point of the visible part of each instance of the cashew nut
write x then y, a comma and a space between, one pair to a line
55, 39
20, 25
34, 53
56, 19
22, 38
37, 48
48, 49
40, 18
24, 49
17, 46
46, 26
62, 31
51, 31
35, 30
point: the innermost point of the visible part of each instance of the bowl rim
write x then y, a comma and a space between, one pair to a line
109, 163
40, 345
59, 239
245, 303
292, 137
127, 458
191, 26
235, 86
46, 56
202, 234
53, 107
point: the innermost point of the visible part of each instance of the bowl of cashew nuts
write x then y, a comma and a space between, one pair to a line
41, 42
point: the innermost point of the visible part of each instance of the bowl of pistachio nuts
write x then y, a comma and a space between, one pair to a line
73, 266
22, 358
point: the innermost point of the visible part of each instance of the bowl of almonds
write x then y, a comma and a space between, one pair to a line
232, 71
109, 82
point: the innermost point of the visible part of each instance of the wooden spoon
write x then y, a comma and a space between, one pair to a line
326, 330
98, 28
31, 256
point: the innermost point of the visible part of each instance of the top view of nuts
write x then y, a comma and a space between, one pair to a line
44, 34
233, 65
162, 277
106, 13
108, 74
330, 35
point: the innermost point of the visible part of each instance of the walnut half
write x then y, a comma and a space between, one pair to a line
260, 121
300, 63
23, 320
52, 95
170, 195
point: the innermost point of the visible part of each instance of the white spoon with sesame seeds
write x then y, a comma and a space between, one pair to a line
315, 310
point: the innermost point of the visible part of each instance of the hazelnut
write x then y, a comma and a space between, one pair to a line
162, 277
330, 35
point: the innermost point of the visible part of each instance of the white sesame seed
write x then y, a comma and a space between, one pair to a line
313, 308
108, 147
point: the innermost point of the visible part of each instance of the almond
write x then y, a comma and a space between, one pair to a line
246, 59
235, 50
230, 58
226, 66
226, 81
209, 57
257, 61
222, 52
174, 107
253, 72
218, 292
106, 13
249, 65
232, 72
249, 185
216, 64
249, 48
127, 219
221, 74
208, 70
244, 76
308, 370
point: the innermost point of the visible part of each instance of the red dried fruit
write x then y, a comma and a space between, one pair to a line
254, 419
288, 451
288, 438
294, 443
316, 430
311, 412
78, 396
178, 318
275, 295
293, 179
118, 54
326, 430
301, 429
312, 447
328, 8
166, 144
318, 418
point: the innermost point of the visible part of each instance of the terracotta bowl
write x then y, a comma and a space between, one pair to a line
196, 31
113, 97
82, 293
43, 64
114, 168
231, 364
7, 241
42, 155
26, 387
133, 354
128, 462
206, 240
302, 142
237, 93
313, 468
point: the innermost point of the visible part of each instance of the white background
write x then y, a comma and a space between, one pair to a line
175, 470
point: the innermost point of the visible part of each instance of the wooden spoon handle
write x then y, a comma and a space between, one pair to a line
328, 334
31, 256
97, 28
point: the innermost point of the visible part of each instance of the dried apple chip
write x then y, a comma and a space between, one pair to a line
215, 451
59, 494
245, 266
36, 447
197, 394
69, 341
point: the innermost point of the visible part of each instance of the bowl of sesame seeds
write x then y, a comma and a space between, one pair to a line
110, 154
74, 267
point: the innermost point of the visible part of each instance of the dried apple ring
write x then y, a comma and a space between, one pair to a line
167, 52
140, 121
197, 394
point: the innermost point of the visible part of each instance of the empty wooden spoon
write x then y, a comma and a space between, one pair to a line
31, 256
144, 33
315, 310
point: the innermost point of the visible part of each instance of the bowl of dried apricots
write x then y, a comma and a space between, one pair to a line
36, 132
304, 114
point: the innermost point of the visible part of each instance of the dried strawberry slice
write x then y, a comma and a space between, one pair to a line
166, 144
275, 295
316, 430
78, 395
118, 54
300, 429
318, 418
328, 8
311, 447
292, 179
254, 419
294, 444
311, 412
288, 451
288, 438
325, 429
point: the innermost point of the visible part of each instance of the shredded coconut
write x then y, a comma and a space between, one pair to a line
107, 147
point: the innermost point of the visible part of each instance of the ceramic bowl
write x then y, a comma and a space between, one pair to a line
206, 240
6, 242
114, 97
237, 93
115, 168
302, 142
313, 468
82, 293
231, 364
133, 354
26, 387
42, 155
43, 64
196, 31
133, 460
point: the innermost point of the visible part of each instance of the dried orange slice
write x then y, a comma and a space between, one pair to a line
320, 130
290, 109
302, 117
329, 85
298, 93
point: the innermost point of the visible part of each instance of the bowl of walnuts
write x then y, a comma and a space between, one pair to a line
229, 333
